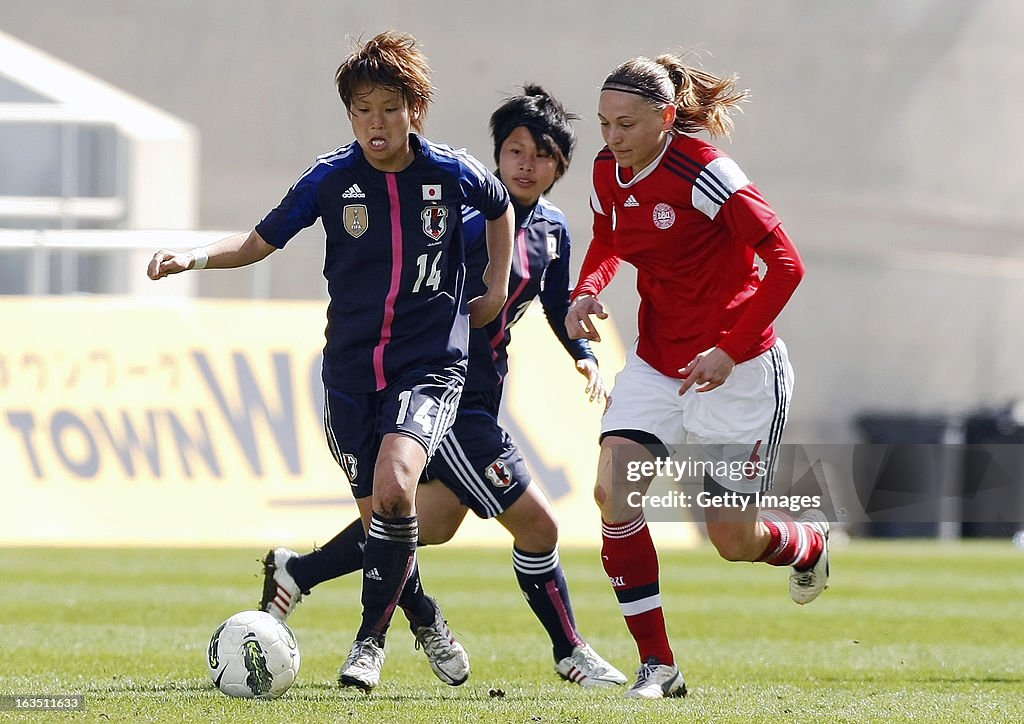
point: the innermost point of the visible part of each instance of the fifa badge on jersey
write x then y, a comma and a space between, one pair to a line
431, 192
552, 246
435, 221
355, 219
499, 474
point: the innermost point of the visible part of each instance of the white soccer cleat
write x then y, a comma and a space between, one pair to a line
657, 681
362, 667
281, 594
805, 586
585, 667
447, 658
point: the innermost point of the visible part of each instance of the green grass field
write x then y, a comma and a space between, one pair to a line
914, 630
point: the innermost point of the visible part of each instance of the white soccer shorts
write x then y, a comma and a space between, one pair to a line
736, 427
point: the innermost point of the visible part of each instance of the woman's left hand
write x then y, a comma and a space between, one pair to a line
710, 368
595, 388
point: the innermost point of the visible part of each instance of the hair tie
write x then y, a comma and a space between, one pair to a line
637, 91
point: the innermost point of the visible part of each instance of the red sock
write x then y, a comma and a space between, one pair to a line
792, 544
631, 563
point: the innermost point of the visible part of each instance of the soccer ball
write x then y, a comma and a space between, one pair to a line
252, 655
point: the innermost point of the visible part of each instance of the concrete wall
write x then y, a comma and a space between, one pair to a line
884, 133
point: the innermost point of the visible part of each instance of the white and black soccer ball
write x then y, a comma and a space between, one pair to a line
252, 655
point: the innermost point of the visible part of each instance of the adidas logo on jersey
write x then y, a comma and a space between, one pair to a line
631, 202
374, 575
353, 192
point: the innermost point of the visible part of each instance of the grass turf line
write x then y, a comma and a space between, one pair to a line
909, 630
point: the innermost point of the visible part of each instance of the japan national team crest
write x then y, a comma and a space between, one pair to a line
499, 474
355, 219
664, 216
435, 221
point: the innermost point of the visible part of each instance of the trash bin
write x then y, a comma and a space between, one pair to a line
904, 471
993, 477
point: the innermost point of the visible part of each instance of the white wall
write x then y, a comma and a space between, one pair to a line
874, 127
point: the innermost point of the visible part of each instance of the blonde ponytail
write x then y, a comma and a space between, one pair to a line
703, 101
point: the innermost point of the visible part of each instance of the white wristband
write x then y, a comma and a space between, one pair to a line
201, 258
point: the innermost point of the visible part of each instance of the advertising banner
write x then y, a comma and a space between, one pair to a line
200, 423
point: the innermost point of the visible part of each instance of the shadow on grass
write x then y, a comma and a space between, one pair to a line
318, 691
890, 678
121, 686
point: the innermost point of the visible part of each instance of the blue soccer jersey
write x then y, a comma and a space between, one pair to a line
540, 267
395, 258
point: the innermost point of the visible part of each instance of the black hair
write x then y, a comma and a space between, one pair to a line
548, 122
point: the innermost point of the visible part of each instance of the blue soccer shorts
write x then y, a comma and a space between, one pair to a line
478, 461
419, 404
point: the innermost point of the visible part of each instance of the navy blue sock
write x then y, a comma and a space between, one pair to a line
339, 556
418, 608
542, 580
389, 559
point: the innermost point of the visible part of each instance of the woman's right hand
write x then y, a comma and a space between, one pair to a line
165, 263
578, 323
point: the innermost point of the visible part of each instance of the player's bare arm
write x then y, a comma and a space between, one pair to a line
234, 251
499, 250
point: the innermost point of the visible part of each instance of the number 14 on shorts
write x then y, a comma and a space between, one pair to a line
422, 414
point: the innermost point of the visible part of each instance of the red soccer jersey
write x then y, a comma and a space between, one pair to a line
689, 223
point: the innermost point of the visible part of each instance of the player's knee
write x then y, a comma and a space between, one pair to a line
395, 470
604, 503
542, 535
392, 501
394, 488
615, 505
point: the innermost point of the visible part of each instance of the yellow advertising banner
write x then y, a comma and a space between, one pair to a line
200, 423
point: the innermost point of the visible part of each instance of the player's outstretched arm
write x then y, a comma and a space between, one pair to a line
499, 252
235, 251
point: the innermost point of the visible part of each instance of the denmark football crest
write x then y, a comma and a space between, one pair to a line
355, 219
435, 221
664, 216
